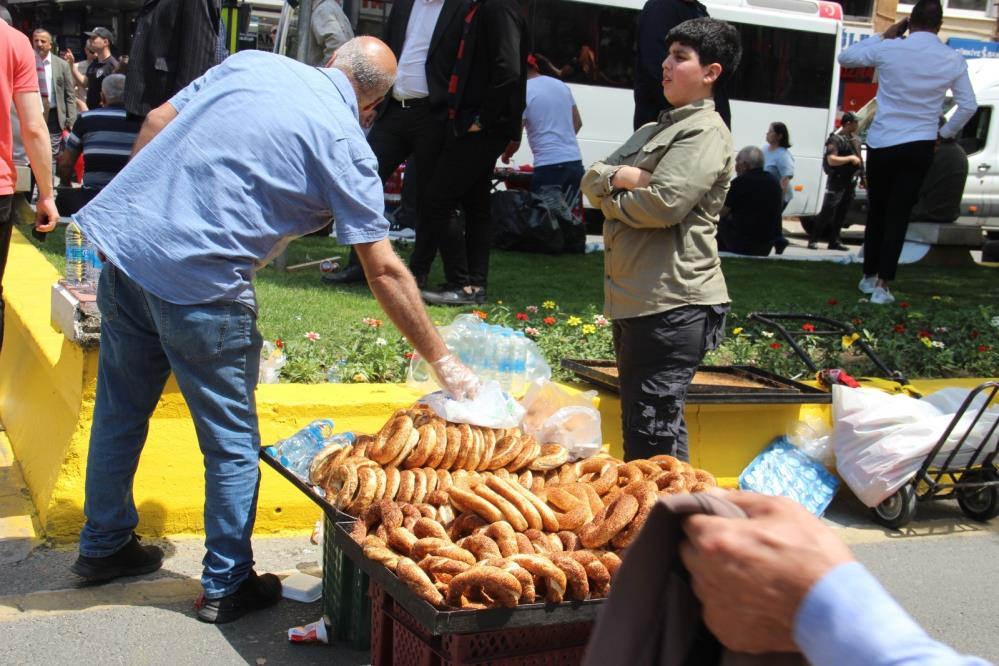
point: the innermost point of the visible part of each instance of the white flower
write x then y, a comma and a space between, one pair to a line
767, 334
938, 344
995, 322
381, 342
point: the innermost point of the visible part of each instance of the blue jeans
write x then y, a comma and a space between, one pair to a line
566, 175
214, 352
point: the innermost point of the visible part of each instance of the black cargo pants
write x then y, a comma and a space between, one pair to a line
657, 356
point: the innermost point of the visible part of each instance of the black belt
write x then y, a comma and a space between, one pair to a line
412, 102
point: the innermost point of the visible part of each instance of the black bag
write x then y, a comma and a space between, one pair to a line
540, 222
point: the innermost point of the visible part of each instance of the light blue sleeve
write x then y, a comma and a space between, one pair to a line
356, 196
785, 162
848, 618
180, 100
862, 54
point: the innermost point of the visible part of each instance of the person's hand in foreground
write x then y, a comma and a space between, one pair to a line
457, 380
752, 575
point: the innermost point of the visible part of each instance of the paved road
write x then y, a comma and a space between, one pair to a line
942, 569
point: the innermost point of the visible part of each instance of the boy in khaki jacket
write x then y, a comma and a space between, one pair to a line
661, 193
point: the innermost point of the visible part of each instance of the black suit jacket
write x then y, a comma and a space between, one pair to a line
443, 46
495, 87
174, 43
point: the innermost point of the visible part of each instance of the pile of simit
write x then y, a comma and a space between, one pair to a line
472, 517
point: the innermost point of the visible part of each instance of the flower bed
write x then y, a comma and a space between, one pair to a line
935, 338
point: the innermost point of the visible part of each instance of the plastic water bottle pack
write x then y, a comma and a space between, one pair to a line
784, 470
492, 352
296, 452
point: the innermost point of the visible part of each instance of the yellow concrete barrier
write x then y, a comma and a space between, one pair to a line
47, 390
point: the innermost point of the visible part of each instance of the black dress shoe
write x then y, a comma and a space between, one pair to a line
132, 560
781, 244
254, 593
812, 245
454, 297
838, 246
349, 275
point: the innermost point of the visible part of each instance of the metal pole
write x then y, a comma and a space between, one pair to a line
304, 30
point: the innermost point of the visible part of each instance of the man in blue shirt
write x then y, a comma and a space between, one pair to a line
782, 581
184, 227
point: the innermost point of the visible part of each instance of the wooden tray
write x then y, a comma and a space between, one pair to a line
732, 384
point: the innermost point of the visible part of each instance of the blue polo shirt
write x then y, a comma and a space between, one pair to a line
264, 149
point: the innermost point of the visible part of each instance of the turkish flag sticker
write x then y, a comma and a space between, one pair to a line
830, 10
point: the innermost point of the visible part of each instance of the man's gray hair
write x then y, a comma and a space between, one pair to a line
113, 87
751, 156
353, 60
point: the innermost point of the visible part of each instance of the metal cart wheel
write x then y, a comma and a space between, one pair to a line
979, 503
898, 509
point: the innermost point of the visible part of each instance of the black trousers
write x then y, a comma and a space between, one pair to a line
462, 177
6, 227
413, 135
835, 206
894, 176
657, 356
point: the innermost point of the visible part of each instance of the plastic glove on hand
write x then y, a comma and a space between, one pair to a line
455, 378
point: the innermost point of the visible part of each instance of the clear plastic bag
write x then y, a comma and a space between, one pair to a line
491, 408
272, 359
557, 416
493, 352
811, 435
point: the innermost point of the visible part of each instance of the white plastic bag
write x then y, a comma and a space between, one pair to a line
491, 408
272, 360
882, 440
556, 416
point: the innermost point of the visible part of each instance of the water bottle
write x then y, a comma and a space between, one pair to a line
296, 452
76, 258
94, 265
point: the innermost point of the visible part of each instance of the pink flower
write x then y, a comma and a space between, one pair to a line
312, 336
533, 309
372, 322
532, 332
601, 320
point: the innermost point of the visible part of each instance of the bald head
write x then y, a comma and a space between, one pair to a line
370, 65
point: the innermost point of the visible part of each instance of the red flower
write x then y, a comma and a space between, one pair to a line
522, 316
808, 327
408, 356
775, 345
899, 328
904, 304
832, 301
925, 334
974, 334
279, 343
550, 321
983, 348
857, 321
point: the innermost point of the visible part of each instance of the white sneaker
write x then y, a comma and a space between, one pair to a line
868, 284
881, 296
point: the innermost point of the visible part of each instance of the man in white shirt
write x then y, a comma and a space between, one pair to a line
58, 89
914, 75
424, 36
552, 121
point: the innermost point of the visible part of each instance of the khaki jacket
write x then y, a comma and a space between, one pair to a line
65, 92
660, 250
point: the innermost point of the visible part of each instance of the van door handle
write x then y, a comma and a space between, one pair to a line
984, 167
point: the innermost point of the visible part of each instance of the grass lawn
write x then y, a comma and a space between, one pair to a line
292, 304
